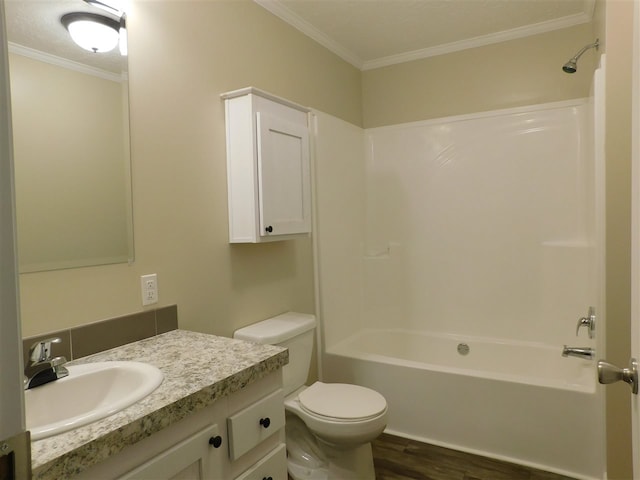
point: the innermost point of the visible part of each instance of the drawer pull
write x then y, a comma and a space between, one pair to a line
267, 478
215, 441
265, 422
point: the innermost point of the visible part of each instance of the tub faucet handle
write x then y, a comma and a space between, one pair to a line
589, 321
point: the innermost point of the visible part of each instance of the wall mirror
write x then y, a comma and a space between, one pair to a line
70, 116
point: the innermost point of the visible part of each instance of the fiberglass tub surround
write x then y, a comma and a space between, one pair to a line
455, 258
484, 225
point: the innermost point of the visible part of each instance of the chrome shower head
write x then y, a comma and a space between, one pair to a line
572, 65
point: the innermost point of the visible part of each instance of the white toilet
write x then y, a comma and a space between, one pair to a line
329, 426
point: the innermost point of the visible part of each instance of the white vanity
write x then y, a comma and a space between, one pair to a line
219, 414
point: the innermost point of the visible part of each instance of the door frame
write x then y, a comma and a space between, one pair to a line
635, 228
13, 437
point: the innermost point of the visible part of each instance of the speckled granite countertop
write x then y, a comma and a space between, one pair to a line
198, 369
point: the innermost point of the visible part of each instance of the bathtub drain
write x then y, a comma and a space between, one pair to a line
463, 349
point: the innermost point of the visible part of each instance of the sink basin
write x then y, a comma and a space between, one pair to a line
91, 391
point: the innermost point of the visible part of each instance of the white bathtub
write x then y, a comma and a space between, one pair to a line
515, 401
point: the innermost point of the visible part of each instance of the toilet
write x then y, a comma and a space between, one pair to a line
329, 426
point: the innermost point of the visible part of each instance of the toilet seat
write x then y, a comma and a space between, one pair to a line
342, 402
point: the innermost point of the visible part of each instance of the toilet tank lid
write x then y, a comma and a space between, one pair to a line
277, 329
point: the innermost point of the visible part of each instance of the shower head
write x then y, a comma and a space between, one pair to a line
572, 65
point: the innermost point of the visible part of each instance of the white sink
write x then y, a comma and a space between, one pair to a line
91, 391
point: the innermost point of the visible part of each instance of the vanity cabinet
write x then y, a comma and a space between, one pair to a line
273, 465
253, 424
255, 431
196, 458
199, 446
268, 167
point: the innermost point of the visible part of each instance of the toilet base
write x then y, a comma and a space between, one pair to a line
309, 458
354, 463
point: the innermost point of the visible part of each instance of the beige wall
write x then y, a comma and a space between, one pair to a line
614, 25
519, 72
182, 56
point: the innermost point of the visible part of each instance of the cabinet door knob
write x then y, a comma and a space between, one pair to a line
265, 422
215, 441
269, 229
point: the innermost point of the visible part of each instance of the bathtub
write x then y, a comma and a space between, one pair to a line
514, 401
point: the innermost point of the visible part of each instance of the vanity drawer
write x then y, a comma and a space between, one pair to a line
253, 424
273, 465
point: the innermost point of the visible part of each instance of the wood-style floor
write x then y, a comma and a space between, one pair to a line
398, 458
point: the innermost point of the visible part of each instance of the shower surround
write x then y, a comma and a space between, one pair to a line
455, 257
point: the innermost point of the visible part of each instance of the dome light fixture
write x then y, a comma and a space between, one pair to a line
93, 32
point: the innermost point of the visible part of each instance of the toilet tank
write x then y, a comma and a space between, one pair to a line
293, 331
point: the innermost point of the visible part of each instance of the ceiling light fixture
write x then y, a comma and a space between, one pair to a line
93, 32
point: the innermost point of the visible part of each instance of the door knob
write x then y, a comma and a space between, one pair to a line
608, 373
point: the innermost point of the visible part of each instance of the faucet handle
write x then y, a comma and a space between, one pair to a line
589, 321
40, 351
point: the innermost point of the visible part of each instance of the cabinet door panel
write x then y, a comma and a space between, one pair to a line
283, 176
273, 466
191, 459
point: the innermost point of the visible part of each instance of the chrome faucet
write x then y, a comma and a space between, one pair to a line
580, 352
41, 368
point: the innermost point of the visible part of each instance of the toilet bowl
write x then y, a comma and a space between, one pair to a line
340, 414
329, 426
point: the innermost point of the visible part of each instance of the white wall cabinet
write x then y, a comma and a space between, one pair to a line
268, 167
198, 447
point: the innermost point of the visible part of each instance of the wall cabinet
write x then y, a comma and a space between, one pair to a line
199, 446
268, 167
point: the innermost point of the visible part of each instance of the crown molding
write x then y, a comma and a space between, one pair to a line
483, 40
64, 63
282, 12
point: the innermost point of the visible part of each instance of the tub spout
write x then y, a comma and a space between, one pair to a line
580, 352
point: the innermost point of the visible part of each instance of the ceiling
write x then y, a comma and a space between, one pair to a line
374, 33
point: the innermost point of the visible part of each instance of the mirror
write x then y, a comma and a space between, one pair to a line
70, 120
